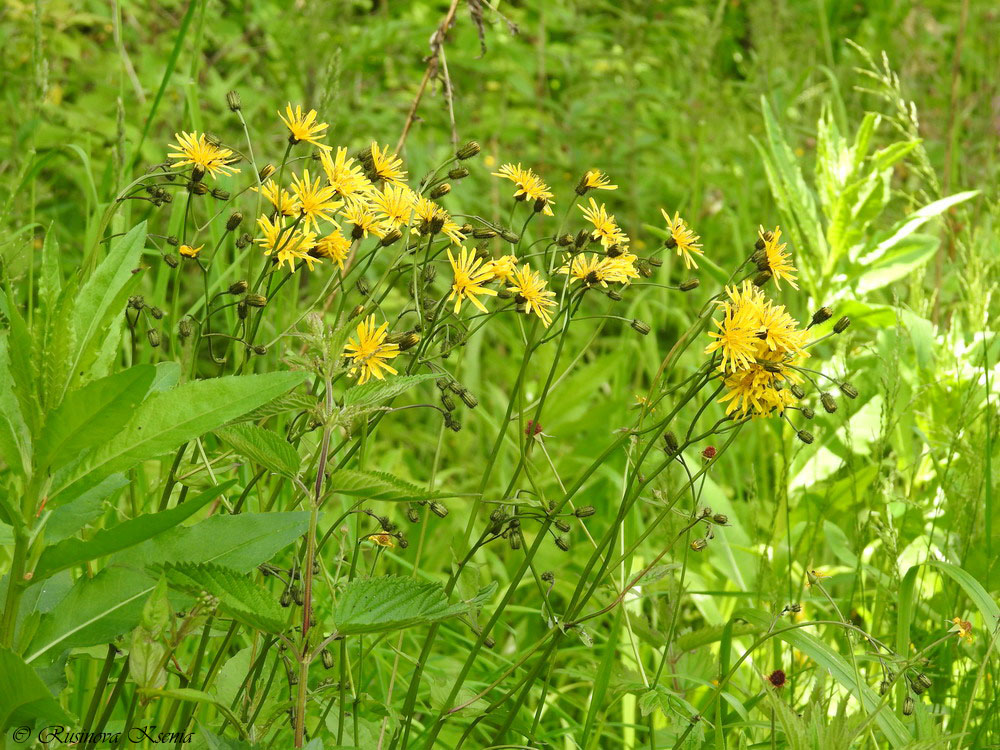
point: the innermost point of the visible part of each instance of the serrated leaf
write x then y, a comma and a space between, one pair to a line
166, 420
261, 446
375, 392
378, 485
375, 605
73, 551
239, 597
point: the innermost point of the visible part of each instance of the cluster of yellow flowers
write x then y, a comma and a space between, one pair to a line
758, 342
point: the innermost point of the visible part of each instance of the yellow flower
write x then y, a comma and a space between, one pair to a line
334, 246
778, 261
605, 227
368, 354
963, 629
393, 204
386, 165
470, 275
280, 198
452, 231
287, 245
194, 149
316, 202
592, 269
529, 290
382, 539
189, 252
529, 185
344, 176
595, 179
754, 391
303, 127
683, 239
502, 268
360, 214
737, 338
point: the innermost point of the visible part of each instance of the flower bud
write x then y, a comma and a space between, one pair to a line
156, 312
582, 238
255, 300
327, 658
484, 233
184, 327
823, 314
448, 402
220, 194
154, 337
172, 240
233, 101
883, 687
468, 399
848, 390
924, 680
458, 173
393, 235
540, 204
237, 287
441, 190
509, 236
805, 437
640, 327
469, 150
197, 173
562, 544
561, 525
408, 341
364, 289
244, 240
234, 221
687, 286
762, 278
721, 518
514, 540
438, 509
242, 310
171, 260
699, 544
654, 262
807, 412
259, 350
829, 403
841, 325
564, 240
797, 391
584, 511
671, 442
136, 302
908, 706
266, 171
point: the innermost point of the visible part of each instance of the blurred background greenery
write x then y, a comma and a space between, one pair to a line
666, 97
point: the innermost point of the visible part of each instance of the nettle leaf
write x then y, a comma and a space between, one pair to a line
91, 415
73, 551
375, 605
262, 446
24, 697
378, 485
168, 419
375, 392
239, 597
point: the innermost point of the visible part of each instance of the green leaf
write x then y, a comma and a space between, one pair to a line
166, 420
378, 485
374, 392
239, 597
73, 551
190, 695
833, 663
68, 519
262, 446
906, 257
375, 605
91, 415
99, 609
15, 435
24, 698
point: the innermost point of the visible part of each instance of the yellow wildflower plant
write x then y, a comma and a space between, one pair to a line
529, 185
387, 166
303, 127
605, 228
196, 150
774, 258
283, 201
528, 288
469, 276
316, 202
334, 246
393, 205
683, 239
344, 176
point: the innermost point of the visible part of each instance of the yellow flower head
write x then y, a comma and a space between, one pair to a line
778, 261
360, 214
529, 185
605, 227
344, 176
963, 629
369, 352
393, 204
595, 179
316, 202
387, 166
682, 238
529, 290
502, 268
334, 246
195, 149
189, 252
283, 201
383, 539
469, 276
285, 244
593, 269
303, 127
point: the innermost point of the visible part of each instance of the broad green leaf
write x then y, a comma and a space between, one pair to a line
834, 664
101, 298
166, 420
888, 156
239, 597
375, 392
99, 609
68, 519
906, 257
91, 415
24, 698
262, 447
378, 485
73, 551
15, 435
190, 695
375, 605
914, 221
